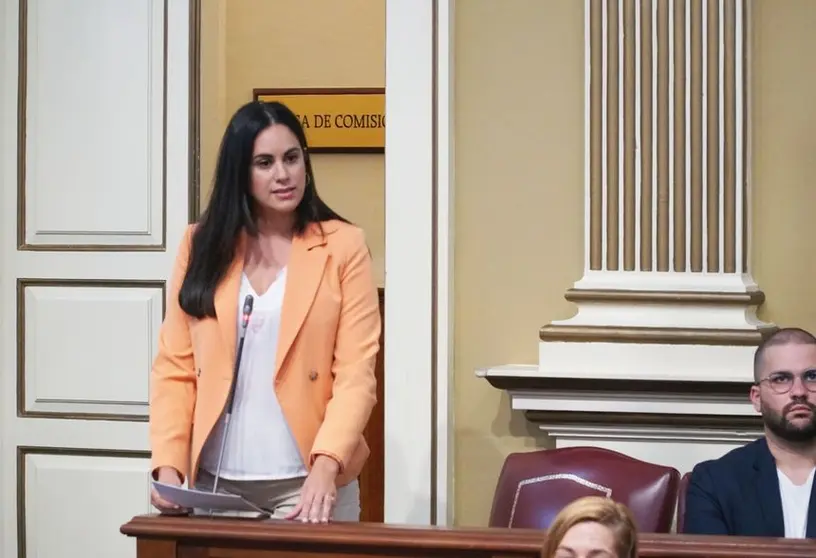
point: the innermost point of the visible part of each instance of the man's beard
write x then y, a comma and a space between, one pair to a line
784, 429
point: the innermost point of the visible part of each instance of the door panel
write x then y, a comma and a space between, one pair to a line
94, 176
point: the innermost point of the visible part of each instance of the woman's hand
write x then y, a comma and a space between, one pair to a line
166, 475
319, 492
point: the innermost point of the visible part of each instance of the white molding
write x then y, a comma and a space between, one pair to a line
409, 259
508, 371
664, 315
444, 262
656, 434
681, 448
674, 439
634, 361
646, 361
632, 400
667, 281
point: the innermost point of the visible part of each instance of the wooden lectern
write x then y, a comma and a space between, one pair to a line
202, 537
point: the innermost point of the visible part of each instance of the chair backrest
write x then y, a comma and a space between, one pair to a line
681, 502
534, 486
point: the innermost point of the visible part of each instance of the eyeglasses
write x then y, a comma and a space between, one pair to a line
782, 382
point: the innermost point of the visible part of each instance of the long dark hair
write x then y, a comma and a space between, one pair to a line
229, 211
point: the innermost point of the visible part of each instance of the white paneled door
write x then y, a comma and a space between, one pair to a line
95, 131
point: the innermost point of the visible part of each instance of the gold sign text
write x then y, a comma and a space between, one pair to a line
336, 120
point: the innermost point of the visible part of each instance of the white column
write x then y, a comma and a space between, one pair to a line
657, 360
667, 291
418, 261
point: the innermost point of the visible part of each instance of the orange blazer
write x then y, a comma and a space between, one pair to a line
324, 377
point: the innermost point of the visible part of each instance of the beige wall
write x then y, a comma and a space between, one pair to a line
519, 78
784, 159
519, 170
519, 184
248, 44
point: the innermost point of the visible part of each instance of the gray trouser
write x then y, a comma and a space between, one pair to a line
280, 497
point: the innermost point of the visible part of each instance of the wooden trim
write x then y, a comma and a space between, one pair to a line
679, 421
24, 283
293, 539
194, 133
372, 477
593, 385
655, 335
258, 92
753, 298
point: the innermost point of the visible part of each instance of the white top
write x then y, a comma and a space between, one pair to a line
795, 502
259, 444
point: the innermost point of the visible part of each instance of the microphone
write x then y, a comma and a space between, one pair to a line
231, 397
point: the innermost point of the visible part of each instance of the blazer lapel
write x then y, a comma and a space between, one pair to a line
767, 487
810, 533
226, 302
304, 273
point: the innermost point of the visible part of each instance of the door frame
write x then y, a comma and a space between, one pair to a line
419, 261
419, 255
5, 162
418, 347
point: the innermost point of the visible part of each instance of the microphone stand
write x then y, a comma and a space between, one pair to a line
231, 397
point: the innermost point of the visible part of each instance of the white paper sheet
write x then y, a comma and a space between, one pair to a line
198, 499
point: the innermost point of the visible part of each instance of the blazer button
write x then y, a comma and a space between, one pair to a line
313, 375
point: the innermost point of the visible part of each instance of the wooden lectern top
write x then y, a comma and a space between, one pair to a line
200, 537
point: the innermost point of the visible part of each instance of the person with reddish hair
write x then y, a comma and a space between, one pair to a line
592, 526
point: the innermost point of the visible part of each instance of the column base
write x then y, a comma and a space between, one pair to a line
664, 301
669, 281
627, 359
657, 326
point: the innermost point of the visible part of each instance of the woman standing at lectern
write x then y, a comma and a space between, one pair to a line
305, 386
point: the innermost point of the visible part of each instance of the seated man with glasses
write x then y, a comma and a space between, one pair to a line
766, 487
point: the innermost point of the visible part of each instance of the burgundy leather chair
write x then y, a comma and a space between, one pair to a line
681, 502
534, 486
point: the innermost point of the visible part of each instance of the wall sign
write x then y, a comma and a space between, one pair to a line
336, 120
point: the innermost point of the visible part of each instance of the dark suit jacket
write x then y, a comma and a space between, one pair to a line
738, 494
